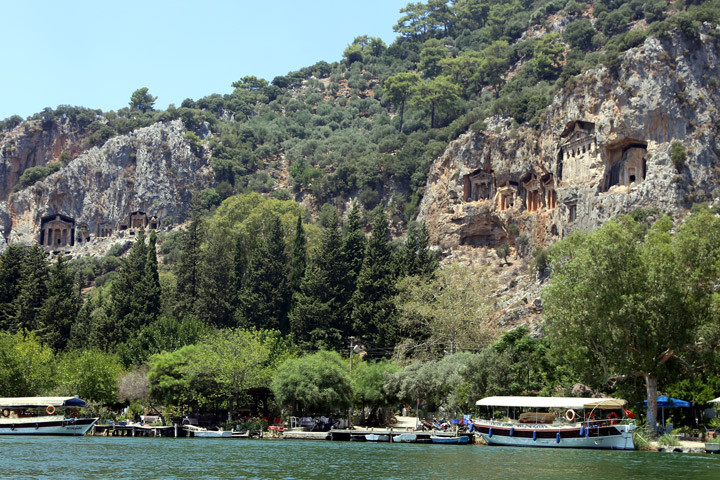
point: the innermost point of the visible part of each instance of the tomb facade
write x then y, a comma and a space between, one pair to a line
578, 149
57, 231
479, 185
625, 163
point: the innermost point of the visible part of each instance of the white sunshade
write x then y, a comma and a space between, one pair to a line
30, 402
717, 400
552, 402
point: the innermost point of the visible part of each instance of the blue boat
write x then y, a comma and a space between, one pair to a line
460, 440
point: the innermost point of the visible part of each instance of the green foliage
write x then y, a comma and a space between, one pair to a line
26, 366
622, 302
678, 156
502, 251
317, 383
668, 440
90, 374
32, 175
369, 392
142, 100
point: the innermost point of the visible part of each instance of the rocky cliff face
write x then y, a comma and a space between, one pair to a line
603, 149
143, 178
31, 145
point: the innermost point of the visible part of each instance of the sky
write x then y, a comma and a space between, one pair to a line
96, 53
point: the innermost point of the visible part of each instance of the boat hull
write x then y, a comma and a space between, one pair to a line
214, 434
46, 426
377, 438
462, 440
611, 437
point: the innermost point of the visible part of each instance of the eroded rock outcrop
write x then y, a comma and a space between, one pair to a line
139, 178
603, 149
33, 144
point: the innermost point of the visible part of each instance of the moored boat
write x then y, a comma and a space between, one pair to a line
37, 416
454, 440
372, 437
577, 423
405, 438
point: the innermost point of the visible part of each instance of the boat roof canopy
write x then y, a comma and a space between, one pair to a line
553, 402
30, 402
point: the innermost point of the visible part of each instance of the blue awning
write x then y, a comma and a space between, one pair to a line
669, 402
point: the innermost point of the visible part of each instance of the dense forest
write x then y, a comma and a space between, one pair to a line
257, 291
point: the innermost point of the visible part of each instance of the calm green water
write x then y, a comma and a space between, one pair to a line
154, 458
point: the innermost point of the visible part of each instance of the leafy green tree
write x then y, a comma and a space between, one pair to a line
215, 297
90, 374
398, 88
26, 365
502, 251
438, 93
142, 100
171, 377
452, 311
369, 390
354, 243
239, 359
317, 383
623, 304
431, 57
373, 313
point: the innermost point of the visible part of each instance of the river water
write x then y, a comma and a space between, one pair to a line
194, 458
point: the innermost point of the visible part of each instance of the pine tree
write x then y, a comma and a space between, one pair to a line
187, 271
61, 306
319, 319
373, 313
32, 289
264, 297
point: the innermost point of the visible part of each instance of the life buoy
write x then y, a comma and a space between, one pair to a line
74, 413
6, 412
589, 416
570, 415
50, 410
614, 417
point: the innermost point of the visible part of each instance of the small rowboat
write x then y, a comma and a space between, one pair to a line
461, 440
405, 438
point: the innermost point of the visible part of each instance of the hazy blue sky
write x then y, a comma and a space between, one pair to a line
96, 53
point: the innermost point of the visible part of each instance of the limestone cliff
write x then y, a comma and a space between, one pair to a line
602, 149
34, 144
142, 178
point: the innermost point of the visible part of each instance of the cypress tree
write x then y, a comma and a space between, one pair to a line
415, 256
125, 304
32, 290
11, 263
299, 258
187, 271
214, 290
264, 297
60, 307
149, 294
373, 311
319, 320
353, 250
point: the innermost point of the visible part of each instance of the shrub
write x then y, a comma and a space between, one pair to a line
668, 440
678, 156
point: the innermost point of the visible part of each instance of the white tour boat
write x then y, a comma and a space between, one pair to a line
567, 422
43, 416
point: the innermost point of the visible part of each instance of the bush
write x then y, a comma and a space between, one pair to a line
668, 440
33, 175
678, 156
